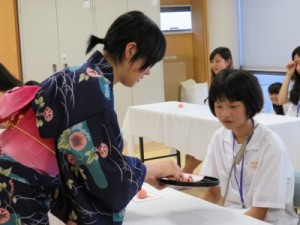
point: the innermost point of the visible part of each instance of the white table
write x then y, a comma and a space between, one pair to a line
177, 208
189, 129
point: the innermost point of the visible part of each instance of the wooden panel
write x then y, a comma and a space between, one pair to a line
9, 38
191, 48
174, 73
180, 48
200, 41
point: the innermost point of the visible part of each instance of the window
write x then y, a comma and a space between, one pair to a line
176, 19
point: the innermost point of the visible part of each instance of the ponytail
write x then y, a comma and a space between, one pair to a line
93, 40
133, 26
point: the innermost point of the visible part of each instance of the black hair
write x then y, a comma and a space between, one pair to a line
237, 85
225, 53
133, 26
7, 80
295, 91
274, 88
31, 82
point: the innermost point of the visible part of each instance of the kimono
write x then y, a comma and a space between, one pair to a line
28, 166
75, 106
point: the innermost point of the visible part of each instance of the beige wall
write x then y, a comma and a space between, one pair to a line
223, 26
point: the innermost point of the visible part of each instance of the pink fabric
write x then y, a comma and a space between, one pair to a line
26, 147
14, 100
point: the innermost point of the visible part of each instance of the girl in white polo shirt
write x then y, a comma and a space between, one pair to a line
249, 159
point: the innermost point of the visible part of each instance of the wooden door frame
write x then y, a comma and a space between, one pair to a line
199, 50
9, 42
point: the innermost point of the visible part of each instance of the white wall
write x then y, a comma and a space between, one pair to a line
223, 26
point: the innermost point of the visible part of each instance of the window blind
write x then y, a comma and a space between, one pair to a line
269, 32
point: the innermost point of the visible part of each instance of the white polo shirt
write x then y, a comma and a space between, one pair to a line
293, 110
268, 176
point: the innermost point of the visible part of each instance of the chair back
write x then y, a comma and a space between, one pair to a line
297, 190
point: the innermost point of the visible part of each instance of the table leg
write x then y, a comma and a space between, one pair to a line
142, 153
141, 141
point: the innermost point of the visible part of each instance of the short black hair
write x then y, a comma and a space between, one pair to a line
133, 26
237, 85
31, 82
274, 88
225, 53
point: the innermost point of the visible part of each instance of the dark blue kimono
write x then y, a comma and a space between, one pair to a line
75, 106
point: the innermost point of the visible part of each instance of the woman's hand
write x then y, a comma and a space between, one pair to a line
290, 69
156, 170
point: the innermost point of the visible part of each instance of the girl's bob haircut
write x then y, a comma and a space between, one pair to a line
237, 85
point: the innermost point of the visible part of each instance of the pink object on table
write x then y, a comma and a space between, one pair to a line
180, 105
142, 193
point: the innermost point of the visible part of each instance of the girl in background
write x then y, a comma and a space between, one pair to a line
220, 59
292, 74
273, 91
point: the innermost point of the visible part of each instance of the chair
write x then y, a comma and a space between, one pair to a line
297, 190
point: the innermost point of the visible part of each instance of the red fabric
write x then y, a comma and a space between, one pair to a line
14, 100
21, 140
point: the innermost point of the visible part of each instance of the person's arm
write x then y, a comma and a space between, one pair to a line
283, 93
156, 170
257, 212
212, 194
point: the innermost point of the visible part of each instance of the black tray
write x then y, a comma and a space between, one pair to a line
199, 181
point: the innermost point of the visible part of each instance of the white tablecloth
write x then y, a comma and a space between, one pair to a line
189, 129
177, 208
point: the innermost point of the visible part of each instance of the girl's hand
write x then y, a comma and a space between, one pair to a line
290, 68
160, 169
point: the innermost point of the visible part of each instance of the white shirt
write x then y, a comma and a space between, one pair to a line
285, 106
292, 111
268, 177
